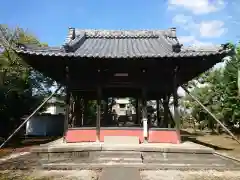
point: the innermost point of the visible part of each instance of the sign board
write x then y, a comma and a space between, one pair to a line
121, 74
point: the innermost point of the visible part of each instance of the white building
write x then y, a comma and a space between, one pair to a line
54, 107
122, 105
50, 122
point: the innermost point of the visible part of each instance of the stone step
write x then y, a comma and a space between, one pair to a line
112, 140
192, 161
92, 156
165, 166
114, 173
116, 154
117, 160
176, 156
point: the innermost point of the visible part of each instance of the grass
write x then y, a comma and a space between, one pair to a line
5, 152
48, 175
222, 143
14, 176
24, 144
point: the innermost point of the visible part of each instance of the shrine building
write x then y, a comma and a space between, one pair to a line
100, 65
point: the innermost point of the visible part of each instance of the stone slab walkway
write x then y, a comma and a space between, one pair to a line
120, 173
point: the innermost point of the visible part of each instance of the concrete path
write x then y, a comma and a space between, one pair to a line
120, 173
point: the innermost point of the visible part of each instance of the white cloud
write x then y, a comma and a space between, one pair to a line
193, 41
212, 29
198, 6
186, 39
186, 22
206, 29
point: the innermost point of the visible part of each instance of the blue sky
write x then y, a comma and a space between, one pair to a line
198, 22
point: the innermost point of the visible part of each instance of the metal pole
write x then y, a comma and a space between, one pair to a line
211, 114
29, 117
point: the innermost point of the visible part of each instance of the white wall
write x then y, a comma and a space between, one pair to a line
45, 125
54, 109
60, 110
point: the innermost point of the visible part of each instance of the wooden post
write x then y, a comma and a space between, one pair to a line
78, 110
105, 114
165, 111
144, 116
85, 108
72, 110
137, 111
140, 111
67, 101
175, 104
158, 113
98, 120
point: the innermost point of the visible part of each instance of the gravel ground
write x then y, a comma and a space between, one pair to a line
49, 175
189, 175
28, 167
25, 162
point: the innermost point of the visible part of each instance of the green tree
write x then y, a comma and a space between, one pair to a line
17, 80
230, 97
219, 95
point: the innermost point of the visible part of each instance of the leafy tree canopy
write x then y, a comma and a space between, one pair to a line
17, 79
219, 93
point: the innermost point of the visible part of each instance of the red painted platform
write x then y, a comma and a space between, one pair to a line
156, 135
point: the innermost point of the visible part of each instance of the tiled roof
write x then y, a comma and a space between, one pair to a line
122, 44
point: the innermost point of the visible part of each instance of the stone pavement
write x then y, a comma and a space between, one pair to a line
60, 146
121, 173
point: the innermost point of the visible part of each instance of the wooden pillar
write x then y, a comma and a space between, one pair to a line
85, 110
78, 110
176, 104
73, 109
67, 101
137, 120
98, 120
105, 114
140, 101
165, 112
158, 113
144, 115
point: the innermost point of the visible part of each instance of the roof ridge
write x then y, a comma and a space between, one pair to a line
100, 33
75, 43
76, 37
